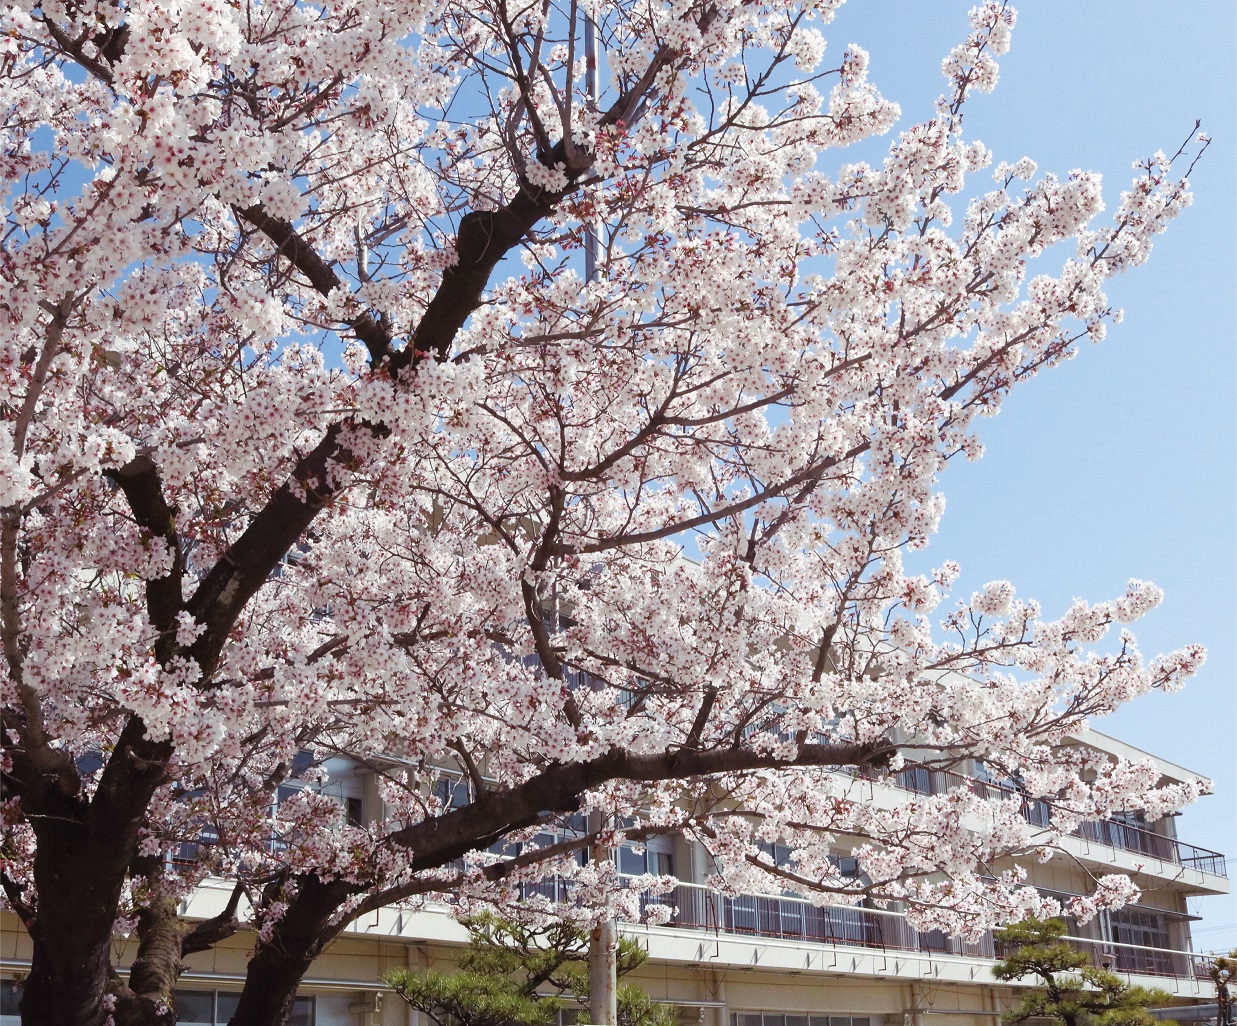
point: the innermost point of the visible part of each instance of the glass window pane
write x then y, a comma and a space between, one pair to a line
10, 995
775, 1020
631, 862
225, 1006
796, 1020
302, 1012
749, 1019
196, 1007
301, 762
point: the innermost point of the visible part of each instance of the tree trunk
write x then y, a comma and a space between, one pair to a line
82, 860
275, 971
72, 933
157, 967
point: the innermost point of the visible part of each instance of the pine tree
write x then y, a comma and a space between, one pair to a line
1074, 992
516, 974
1221, 971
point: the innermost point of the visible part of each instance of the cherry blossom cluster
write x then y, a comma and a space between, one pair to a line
586, 526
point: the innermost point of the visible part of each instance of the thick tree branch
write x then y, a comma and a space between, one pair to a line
139, 480
498, 871
157, 965
35, 764
247, 565
484, 237
373, 332
702, 717
434, 842
218, 928
310, 923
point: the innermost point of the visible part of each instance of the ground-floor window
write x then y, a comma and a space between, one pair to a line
215, 1008
10, 995
805, 1019
193, 1007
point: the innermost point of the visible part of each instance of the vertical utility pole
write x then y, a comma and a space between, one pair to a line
592, 91
603, 941
602, 952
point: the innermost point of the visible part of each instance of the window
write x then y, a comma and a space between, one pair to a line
452, 792
10, 997
742, 916
803, 1019
847, 866
655, 858
1131, 831
1146, 929
195, 1007
303, 1012
352, 807
656, 861
227, 1005
215, 1008
1147, 934
934, 940
845, 923
990, 782
553, 887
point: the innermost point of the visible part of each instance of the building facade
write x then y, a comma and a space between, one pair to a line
757, 960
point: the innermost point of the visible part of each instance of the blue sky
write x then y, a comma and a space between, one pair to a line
1122, 462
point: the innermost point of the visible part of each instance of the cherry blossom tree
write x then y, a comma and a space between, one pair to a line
318, 438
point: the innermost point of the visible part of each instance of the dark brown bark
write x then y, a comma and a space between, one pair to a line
85, 849
71, 932
210, 932
139, 480
157, 965
435, 842
484, 238
81, 862
275, 971
163, 941
247, 565
155, 970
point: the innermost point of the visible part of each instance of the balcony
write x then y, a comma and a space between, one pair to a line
695, 907
1111, 833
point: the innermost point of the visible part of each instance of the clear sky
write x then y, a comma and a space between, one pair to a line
1122, 463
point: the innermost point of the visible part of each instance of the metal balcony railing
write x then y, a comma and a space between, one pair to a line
790, 918
1110, 833
695, 907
